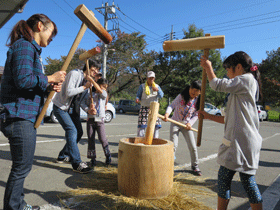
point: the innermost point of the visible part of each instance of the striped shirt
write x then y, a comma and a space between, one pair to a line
23, 84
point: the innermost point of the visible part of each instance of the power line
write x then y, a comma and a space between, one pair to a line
246, 26
227, 12
181, 33
137, 22
269, 13
136, 29
65, 11
68, 4
70, 15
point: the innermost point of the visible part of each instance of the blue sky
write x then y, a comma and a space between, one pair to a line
252, 26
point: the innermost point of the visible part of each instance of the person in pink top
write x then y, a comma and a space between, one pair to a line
186, 106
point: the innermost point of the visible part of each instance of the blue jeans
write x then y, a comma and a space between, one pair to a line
22, 138
72, 125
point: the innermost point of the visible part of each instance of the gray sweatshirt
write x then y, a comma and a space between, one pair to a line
70, 88
242, 142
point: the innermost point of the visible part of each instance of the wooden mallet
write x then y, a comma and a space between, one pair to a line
201, 43
175, 122
88, 21
152, 119
84, 57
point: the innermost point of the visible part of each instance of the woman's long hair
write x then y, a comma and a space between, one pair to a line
186, 94
27, 28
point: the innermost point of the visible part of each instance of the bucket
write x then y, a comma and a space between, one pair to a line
145, 171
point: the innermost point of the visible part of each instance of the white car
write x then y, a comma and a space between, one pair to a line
211, 109
110, 113
262, 113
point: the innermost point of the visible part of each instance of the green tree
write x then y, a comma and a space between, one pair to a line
54, 65
128, 64
270, 68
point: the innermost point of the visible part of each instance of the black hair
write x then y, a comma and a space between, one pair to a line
27, 28
102, 81
92, 63
246, 62
186, 94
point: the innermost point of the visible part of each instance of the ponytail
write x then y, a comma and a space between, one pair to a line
256, 73
27, 28
21, 29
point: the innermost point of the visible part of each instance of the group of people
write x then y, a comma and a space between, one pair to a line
24, 86
185, 107
77, 91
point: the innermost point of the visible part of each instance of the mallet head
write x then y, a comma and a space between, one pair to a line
89, 53
199, 43
92, 23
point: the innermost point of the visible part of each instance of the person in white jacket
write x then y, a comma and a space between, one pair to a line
66, 108
241, 145
148, 92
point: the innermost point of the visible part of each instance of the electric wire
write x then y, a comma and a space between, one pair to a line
138, 23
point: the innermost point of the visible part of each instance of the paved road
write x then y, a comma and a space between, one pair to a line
47, 179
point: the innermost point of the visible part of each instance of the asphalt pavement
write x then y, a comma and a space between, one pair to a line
48, 180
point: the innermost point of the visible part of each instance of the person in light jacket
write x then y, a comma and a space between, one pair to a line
241, 145
148, 92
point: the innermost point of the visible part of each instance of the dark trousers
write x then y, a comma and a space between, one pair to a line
93, 126
22, 139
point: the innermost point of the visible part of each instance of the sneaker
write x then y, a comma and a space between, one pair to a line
63, 160
92, 163
196, 171
83, 168
108, 160
29, 207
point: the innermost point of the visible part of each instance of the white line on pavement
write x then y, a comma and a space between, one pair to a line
209, 157
276, 134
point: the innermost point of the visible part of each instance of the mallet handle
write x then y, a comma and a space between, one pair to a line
63, 68
202, 99
176, 122
152, 118
90, 89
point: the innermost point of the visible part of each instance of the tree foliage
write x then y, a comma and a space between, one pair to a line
270, 68
54, 65
128, 64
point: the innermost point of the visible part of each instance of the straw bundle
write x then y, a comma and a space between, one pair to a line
101, 192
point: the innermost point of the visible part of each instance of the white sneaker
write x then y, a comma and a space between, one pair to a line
83, 168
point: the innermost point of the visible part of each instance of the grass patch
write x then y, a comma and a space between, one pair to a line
273, 115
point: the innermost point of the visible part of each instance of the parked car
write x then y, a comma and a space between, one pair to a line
262, 113
110, 113
114, 103
128, 106
211, 109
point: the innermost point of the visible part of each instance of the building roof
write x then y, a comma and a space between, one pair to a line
8, 8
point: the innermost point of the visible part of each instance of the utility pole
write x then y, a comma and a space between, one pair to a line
171, 34
109, 14
170, 38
